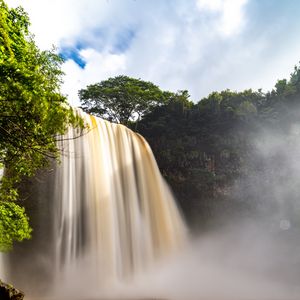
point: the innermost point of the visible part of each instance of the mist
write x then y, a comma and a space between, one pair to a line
252, 252
229, 264
255, 254
242, 261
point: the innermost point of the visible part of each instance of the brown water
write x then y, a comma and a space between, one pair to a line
112, 214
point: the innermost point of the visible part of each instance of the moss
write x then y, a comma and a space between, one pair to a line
8, 292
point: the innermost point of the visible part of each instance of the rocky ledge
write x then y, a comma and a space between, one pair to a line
8, 292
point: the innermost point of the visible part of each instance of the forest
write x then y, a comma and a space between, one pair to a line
207, 150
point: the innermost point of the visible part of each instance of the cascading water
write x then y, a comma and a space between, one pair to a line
2, 267
113, 214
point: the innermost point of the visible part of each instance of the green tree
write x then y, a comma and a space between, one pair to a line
33, 112
122, 99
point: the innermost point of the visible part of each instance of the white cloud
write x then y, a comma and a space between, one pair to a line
46, 19
228, 14
233, 16
199, 45
56, 20
106, 62
73, 81
214, 5
99, 66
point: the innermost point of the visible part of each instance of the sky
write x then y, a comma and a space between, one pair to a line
196, 45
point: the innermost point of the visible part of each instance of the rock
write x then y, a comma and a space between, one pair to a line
8, 292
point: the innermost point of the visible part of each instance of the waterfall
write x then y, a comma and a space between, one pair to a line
112, 214
2, 266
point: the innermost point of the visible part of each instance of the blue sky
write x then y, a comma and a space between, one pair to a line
198, 45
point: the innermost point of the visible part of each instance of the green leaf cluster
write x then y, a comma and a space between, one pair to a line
14, 225
121, 99
33, 112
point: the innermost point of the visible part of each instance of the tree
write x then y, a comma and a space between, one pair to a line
33, 113
122, 99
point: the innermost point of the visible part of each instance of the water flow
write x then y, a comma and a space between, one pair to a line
2, 267
113, 215
2, 270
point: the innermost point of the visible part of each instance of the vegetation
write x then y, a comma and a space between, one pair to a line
205, 150
32, 113
121, 99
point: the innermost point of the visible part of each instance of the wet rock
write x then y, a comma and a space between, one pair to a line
8, 292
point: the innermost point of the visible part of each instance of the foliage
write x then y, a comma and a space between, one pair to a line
14, 225
32, 113
204, 149
121, 99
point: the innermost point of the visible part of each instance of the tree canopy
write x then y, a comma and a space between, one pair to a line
33, 112
206, 150
122, 99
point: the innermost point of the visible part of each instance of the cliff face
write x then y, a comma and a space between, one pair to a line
222, 160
